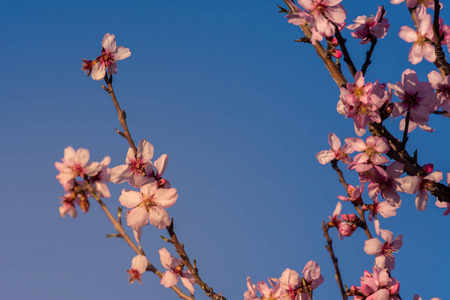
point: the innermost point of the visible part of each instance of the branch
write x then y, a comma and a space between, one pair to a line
120, 113
193, 269
329, 248
334, 71
441, 62
363, 223
347, 57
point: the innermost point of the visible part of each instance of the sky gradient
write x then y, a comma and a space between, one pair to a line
241, 110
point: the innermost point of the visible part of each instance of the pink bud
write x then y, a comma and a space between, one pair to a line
161, 182
428, 168
345, 229
351, 218
336, 53
393, 290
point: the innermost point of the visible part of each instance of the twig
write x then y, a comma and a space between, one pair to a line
120, 114
334, 71
406, 129
329, 248
193, 269
441, 62
363, 223
347, 57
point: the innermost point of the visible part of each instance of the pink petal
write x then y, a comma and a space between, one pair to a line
137, 218
120, 174
139, 263
161, 164
159, 217
109, 42
186, 278
373, 246
145, 151
325, 156
130, 198
169, 279
122, 53
165, 197
408, 34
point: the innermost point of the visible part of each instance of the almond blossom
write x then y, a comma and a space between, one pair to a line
384, 209
417, 97
370, 159
442, 87
422, 194
138, 166
148, 205
175, 271
366, 28
323, 15
383, 252
361, 101
74, 164
107, 60
421, 39
376, 286
336, 151
138, 266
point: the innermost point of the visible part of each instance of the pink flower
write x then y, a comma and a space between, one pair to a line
383, 252
108, 59
370, 158
74, 164
68, 205
442, 87
138, 267
384, 209
290, 282
377, 286
353, 192
102, 177
368, 27
323, 13
336, 151
417, 97
250, 294
387, 186
175, 271
361, 102
311, 275
422, 39
148, 204
138, 166
422, 195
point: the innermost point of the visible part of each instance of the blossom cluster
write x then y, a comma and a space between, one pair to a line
289, 286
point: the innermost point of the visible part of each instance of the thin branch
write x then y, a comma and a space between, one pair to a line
406, 129
334, 71
120, 114
193, 269
363, 223
329, 248
347, 57
441, 62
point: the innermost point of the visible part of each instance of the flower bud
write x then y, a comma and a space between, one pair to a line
84, 205
428, 168
393, 290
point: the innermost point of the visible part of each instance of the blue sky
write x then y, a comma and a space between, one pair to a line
240, 109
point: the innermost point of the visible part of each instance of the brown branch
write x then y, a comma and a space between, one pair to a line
347, 57
329, 248
120, 113
128, 240
441, 62
193, 269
